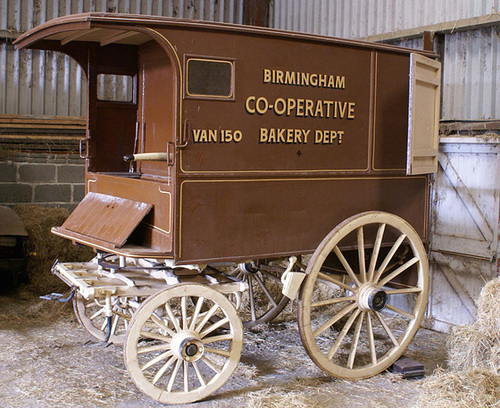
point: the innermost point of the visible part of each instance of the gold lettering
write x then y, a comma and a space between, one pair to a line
340, 82
263, 135
290, 106
309, 107
196, 135
306, 133
313, 79
281, 135
261, 105
279, 110
247, 105
322, 81
290, 78
267, 75
350, 111
304, 79
272, 136
279, 77
318, 113
300, 108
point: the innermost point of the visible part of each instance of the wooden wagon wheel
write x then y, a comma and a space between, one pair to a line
173, 351
364, 295
264, 300
90, 314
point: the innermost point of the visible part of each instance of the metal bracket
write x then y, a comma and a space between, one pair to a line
59, 297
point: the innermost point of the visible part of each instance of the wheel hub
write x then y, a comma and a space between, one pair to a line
371, 298
187, 346
248, 267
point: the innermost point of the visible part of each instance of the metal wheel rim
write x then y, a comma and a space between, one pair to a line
358, 318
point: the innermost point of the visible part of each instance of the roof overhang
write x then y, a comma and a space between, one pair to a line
100, 28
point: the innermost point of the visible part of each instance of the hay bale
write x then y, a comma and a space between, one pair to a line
473, 358
462, 389
44, 247
472, 347
488, 308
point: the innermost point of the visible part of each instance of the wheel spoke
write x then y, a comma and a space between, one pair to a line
219, 352
186, 377
213, 327
97, 314
403, 291
340, 284
343, 333
173, 319
376, 250
154, 336
252, 300
334, 319
162, 370
173, 375
371, 340
214, 339
157, 359
115, 324
333, 301
207, 317
355, 341
151, 349
264, 289
346, 266
389, 256
270, 275
361, 254
211, 364
184, 313
400, 312
398, 271
161, 324
387, 329
201, 379
196, 313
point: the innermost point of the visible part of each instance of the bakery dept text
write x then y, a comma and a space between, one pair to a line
290, 107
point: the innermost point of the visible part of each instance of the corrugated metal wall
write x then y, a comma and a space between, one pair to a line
51, 84
471, 59
360, 18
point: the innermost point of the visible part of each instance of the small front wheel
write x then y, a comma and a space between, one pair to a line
91, 315
180, 351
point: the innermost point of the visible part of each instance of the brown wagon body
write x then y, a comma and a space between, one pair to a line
210, 143
300, 133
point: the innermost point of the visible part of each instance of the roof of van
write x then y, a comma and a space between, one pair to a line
116, 28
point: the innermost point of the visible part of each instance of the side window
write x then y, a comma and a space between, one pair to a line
115, 88
209, 78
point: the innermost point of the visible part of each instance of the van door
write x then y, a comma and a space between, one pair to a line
156, 108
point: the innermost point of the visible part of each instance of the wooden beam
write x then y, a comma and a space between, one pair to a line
448, 27
256, 12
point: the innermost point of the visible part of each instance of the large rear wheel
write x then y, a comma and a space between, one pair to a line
364, 296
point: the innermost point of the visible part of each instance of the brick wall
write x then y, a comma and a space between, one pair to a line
39, 161
42, 178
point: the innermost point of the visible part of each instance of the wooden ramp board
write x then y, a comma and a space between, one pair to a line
106, 218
